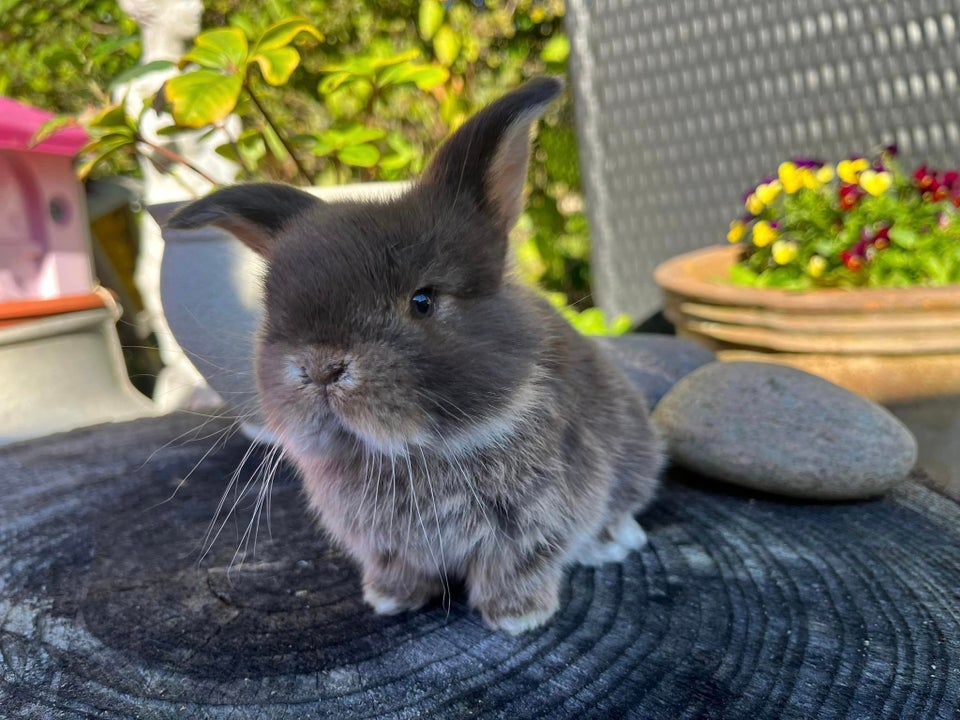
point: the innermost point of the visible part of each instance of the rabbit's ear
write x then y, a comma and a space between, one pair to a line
254, 212
486, 159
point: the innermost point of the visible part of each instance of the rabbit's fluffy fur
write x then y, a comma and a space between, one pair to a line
446, 421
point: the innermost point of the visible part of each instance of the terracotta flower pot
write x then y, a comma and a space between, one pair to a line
885, 344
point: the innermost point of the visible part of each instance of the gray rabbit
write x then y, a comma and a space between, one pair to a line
447, 422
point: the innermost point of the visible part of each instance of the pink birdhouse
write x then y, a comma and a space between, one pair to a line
44, 246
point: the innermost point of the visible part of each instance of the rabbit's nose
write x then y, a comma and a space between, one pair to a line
330, 373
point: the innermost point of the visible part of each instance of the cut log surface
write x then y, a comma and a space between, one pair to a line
740, 607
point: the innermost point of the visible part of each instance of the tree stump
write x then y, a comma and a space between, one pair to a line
740, 607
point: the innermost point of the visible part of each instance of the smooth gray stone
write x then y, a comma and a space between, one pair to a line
784, 431
655, 362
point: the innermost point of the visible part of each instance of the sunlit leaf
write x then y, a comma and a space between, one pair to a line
325, 144
446, 45
274, 143
203, 97
425, 77
219, 49
170, 131
99, 149
395, 162
904, 237
110, 117
430, 18
251, 148
399, 144
359, 155
556, 50
360, 134
283, 33
204, 57
52, 127
111, 47
395, 59
333, 81
277, 65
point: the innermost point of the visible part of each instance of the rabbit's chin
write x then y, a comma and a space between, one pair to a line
335, 425
334, 435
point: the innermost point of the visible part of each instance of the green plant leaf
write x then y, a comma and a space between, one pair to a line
425, 77
110, 47
283, 33
202, 97
52, 127
398, 143
277, 65
359, 155
324, 144
99, 150
430, 18
556, 50
274, 143
904, 237
360, 134
395, 59
219, 49
446, 45
251, 147
620, 325
111, 116
742, 275
139, 71
395, 161
204, 57
333, 81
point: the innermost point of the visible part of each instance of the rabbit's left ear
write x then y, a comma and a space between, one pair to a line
253, 212
486, 159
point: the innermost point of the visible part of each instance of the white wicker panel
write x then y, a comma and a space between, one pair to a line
682, 105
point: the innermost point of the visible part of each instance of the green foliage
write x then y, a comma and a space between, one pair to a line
56, 54
367, 99
206, 95
863, 223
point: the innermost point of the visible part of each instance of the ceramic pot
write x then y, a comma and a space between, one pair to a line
886, 344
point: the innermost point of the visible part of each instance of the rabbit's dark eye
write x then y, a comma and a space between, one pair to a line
421, 304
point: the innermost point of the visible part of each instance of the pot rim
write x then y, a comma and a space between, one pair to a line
702, 274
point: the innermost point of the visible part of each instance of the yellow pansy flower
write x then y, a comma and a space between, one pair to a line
816, 266
784, 251
753, 204
763, 233
768, 192
737, 230
849, 170
825, 174
790, 176
876, 183
809, 179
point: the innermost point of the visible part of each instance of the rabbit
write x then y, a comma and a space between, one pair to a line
446, 421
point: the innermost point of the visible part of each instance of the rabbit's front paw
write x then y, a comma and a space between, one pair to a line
521, 622
516, 603
613, 544
384, 604
391, 587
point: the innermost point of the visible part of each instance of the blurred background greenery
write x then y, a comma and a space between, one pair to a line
63, 55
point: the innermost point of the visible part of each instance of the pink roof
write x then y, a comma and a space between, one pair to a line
19, 122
